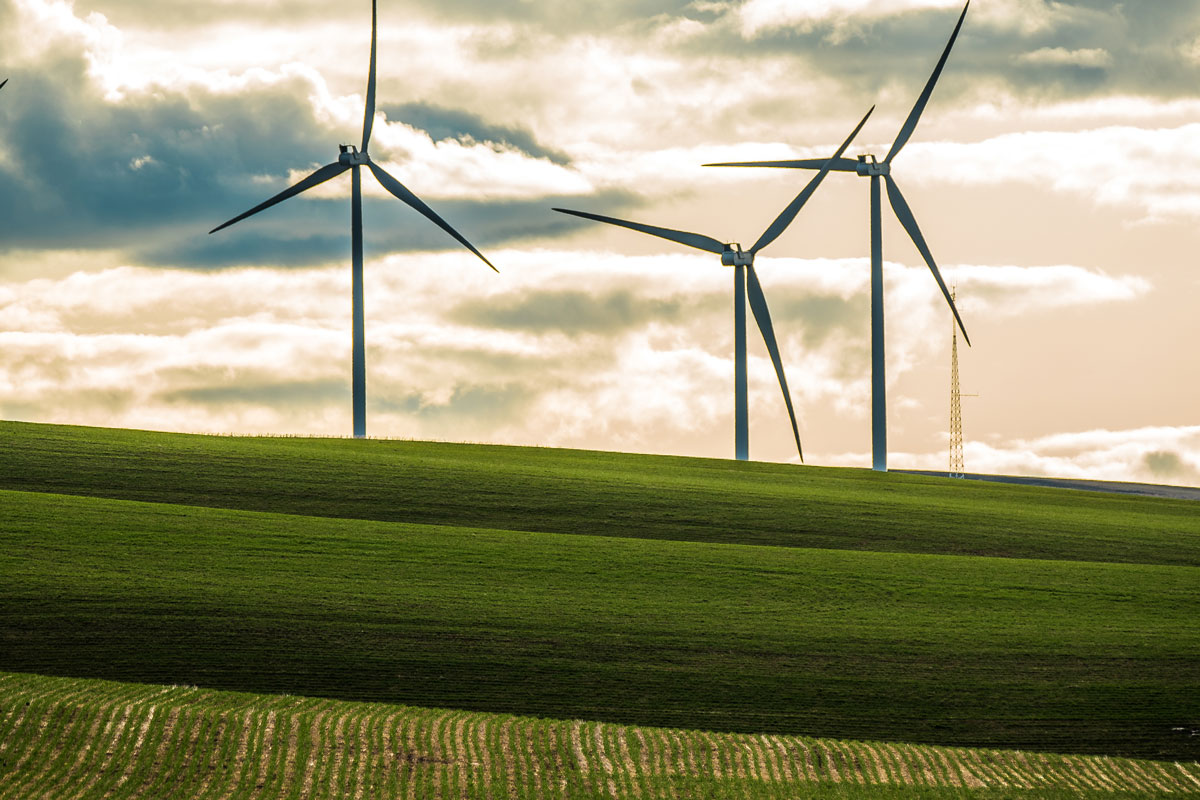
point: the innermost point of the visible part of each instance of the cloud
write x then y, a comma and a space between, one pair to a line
1092, 57
1150, 454
1151, 172
150, 168
641, 360
760, 15
469, 128
571, 312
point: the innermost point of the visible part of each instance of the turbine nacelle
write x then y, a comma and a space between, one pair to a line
350, 156
734, 256
872, 167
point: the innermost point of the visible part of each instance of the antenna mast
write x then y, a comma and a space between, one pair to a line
956, 434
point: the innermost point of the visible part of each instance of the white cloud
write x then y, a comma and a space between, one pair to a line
758, 15
1155, 173
648, 369
1166, 455
1058, 56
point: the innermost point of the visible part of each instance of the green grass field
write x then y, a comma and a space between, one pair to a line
96, 739
600, 494
669, 592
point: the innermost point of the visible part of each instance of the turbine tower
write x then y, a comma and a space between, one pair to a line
745, 286
868, 167
351, 158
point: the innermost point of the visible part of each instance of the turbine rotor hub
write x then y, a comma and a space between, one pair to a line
873, 167
734, 256
350, 156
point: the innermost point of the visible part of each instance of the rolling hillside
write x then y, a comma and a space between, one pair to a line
822, 602
599, 494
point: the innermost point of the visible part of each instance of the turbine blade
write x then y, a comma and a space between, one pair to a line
788, 214
320, 176
369, 113
696, 240
758, 304
910, 124
3, 82
401, 191
905, 215
835, 164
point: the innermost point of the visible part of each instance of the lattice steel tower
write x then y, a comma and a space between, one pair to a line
956, 434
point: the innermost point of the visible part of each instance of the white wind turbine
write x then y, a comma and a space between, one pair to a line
353, 159
745, 286
867, 166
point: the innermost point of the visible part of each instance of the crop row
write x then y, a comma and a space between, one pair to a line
75, 739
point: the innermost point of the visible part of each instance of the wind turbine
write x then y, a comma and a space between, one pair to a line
867, 166
745, 282
353, 159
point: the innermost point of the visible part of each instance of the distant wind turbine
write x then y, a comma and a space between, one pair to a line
875, 170
352, 159
745, 282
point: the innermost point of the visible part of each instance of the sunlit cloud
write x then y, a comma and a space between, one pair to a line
1169, 455
1092, 57
1152, 172
640, 361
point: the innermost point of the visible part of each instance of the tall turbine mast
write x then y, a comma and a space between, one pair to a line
868, 167
746, 288
351, 158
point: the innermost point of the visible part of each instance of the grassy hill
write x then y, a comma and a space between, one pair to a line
95, 739
599, 494
824, 602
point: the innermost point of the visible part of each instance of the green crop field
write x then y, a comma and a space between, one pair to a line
762, 600
95, 739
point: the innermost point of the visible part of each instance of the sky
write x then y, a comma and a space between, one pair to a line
1055, 174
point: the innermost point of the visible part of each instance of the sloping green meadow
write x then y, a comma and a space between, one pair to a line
98, 739
1084, 653
600, 494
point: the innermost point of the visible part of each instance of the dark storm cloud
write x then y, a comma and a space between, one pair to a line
150, 174
463, 126
91, 173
